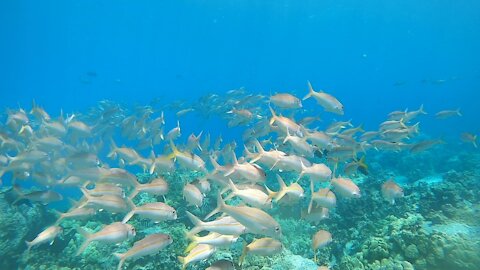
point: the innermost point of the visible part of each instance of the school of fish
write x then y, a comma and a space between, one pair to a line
69, 151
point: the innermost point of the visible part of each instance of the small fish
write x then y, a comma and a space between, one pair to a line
48, 235
263, 247
254, 219
198, 253
174, 133
316, 214
286, 101
214, 239
319, 240
75, 213
225, 225
43, 197
157, 186
425, 145
193, 195
292, 191
113, 233
346, 187
156, 211
221, 265
183, 112
448, 113
391, 191
251, 196
149, 245
187, 160
469, 138
111, 203
327, 101
323, 197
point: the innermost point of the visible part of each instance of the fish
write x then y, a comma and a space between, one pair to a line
327, 101
251, 172
174, 133
448, 113
316, 214
320, 240
469, 138
323, 197
47, 235
157, 186
299, 145
43, 196
194, 142
356, 165
111, 203
187, 160
285, 123
425, 145
391, 191
346, 187
286, 101
294, 191
267, 158
149, 245
263, 247
74, 213
156, 211
251, 196
193, 195
221, 265
254, 219
198, 253
116, 232
106, 189
225, 225
213, 239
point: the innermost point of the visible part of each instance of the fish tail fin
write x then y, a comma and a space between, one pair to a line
182, 261
232, 186
244, 253
421, 110
362, 163
192, 244
29, 245
310, 91
283, 188
198, 224
175, 151
87, 241
458, 112
271, 193
133, 194
60, 216
113, 149
220, 206
287, 137
310, 204
260, 151
16, 189
128, 216
121, 257
216, 166
274, 115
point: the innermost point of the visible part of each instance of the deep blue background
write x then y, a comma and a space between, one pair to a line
140, 50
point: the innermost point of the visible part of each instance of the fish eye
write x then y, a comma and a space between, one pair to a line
277, 229
173, 212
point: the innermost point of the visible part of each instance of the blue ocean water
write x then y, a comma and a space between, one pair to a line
374, 56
